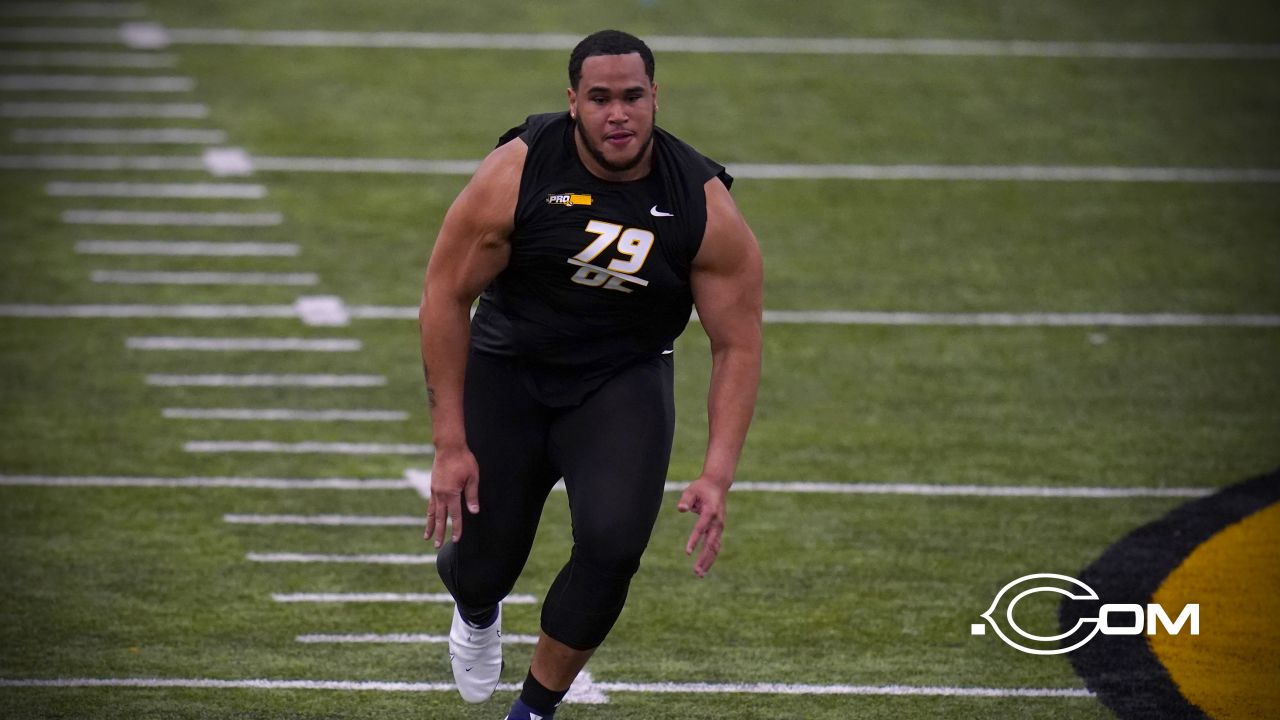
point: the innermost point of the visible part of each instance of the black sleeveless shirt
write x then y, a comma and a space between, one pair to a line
598, 276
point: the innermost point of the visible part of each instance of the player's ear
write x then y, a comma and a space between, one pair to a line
654, 88
573, 103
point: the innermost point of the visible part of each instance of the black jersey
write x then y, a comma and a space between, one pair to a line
598, 276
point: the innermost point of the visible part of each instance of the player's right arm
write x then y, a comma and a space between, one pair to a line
472, 248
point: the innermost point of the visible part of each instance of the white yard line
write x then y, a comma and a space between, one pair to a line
388, 559
186, 248
234, 161
255, 483
95, 83
199, 191
222, 380
195, 111
202, 344
404, 638
190, 312
72, 9
385, 598
285, 415
327, 520
158, 218
307, 448
118, 136
825, 488
135, 277
718, 45
666, 688
1033, 319
40, 58
333, 312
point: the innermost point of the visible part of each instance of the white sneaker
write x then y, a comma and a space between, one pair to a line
476, 657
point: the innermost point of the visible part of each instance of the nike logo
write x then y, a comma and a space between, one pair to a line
654, 211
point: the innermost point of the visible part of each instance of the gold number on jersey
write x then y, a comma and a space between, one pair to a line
633, 243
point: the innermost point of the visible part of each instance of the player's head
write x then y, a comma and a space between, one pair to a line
613, 99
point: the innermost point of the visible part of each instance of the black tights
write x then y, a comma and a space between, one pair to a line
612, 450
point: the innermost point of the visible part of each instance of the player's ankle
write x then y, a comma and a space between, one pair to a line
536, 700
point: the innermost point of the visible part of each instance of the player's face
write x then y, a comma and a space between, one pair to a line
613, 108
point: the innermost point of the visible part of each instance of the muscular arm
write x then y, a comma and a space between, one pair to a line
727, 282
471, 249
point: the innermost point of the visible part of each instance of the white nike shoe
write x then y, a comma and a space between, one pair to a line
476, 657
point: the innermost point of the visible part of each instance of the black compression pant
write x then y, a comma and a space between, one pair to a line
612, 450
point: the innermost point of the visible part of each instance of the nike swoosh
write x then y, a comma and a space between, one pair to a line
654, 211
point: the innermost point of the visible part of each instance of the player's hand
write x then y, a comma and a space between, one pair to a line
455, 477
706, 498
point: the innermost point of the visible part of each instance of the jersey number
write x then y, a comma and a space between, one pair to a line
633, 243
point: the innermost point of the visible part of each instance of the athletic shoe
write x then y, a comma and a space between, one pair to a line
476, 657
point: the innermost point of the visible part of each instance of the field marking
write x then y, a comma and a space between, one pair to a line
190, 312
307, 448
322, 310
174, 248
193, 111
388, 559
665, 688
199, 191
234, 161
157, 218
95, 83
386, 598
262, 483
254, 380
143, 277
72, 9
326, 520
420, 481
404, 638
1033, 319
87, 59
152, 163
118, 136
201, 344
285, 415
937, 490
733, 45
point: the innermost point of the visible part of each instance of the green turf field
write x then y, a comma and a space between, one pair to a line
831, 590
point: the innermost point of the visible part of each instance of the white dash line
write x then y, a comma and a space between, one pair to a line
1003, 319
95, 83
199, 191
285, 415
118, 136
132, 277
307, 448
72, 9
87, 59
253, 483
385, 598
388, 559
152, 218
186, 248
203, 344
664, 688
326, 520
103, 110
220, 380
404, 638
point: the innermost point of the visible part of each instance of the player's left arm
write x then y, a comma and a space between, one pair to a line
728, 290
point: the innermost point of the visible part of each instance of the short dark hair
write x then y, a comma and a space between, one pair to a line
608, 42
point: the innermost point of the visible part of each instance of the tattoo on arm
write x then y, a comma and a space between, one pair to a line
431, 392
